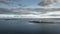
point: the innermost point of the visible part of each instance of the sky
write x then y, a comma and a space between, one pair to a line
25, 3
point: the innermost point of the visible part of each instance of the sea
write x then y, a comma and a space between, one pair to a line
23, 26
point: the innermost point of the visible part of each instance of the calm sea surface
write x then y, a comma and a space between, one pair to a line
24, 26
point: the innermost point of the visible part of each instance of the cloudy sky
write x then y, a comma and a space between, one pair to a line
24, 3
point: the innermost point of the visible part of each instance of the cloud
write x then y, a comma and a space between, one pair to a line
16, 11
21, 11
11, 3
6, 2
5, 11
30, 11
55, 13
8, 11
47, 2
57, 1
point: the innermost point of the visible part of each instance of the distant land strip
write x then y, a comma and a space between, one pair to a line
26, 16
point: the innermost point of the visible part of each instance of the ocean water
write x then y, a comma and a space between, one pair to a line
23, 26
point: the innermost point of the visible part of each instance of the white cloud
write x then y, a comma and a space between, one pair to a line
52, 13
